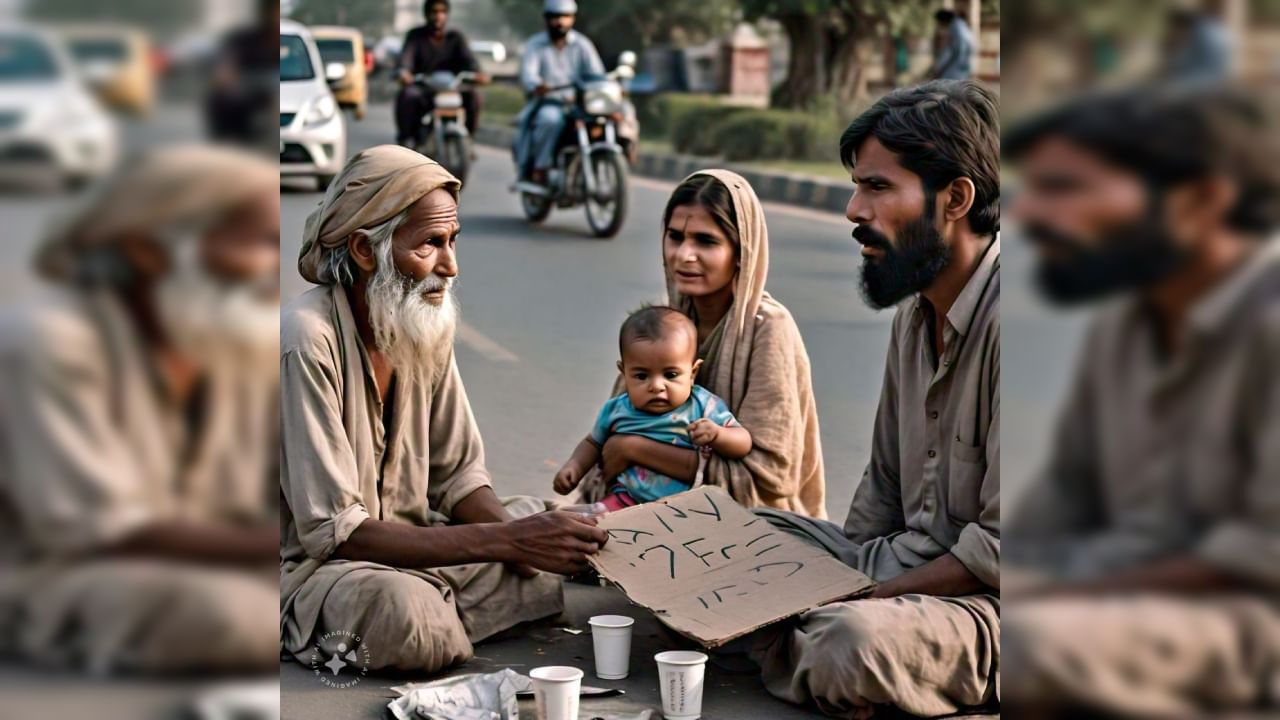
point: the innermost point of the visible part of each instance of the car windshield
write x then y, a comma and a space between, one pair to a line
24, 58
90, 50
295, 62
337, 50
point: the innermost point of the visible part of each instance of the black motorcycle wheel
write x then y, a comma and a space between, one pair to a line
456, 158
536, 207
606, 218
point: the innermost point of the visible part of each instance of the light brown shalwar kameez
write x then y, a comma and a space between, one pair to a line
340, 465
932, 487
93, 447
756, 361
93, 450
1157, 457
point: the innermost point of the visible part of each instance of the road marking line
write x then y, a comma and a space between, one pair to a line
479, 342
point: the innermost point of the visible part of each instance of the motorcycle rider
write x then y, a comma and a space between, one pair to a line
559, 56
427, 49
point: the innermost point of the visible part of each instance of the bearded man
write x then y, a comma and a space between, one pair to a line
1145, 560
925, 520
395, 545
138, 529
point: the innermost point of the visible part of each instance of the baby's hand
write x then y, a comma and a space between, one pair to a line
567, 479
703, 432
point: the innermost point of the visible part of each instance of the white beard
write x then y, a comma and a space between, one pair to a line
415, 335
202, 315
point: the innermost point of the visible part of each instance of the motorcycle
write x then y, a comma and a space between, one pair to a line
445, 138
590, 166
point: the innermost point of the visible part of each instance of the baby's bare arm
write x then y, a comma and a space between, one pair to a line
732, 442
585, 456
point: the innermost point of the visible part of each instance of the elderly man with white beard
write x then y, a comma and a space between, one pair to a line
395, 546
138, 426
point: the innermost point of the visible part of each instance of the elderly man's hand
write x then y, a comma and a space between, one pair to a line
557, 541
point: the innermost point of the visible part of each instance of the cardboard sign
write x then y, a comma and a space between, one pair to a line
713, 571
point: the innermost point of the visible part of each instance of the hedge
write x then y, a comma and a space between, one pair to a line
502, 100
778, 135
704, 125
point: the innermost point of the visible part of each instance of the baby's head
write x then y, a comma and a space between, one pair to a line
659, 348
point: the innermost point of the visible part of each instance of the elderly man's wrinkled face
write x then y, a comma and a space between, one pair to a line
246, 246
221, 289
902, 249
409, 285
425, 244
1096, 227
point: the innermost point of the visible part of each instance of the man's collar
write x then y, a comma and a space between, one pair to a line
962, 311
1220, 304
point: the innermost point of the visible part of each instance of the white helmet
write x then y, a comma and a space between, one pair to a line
560, 7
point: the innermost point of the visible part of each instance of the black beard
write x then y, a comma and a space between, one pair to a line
907, 267
558, 33
1136, 255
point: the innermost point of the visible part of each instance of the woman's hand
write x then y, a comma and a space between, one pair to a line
556, 541
616, 456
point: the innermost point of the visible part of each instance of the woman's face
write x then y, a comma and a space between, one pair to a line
699, 257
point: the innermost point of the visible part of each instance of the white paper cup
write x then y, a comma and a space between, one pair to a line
555, 689
611, 635
680, 676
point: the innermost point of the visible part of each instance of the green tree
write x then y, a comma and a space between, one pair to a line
372, 17
832, 43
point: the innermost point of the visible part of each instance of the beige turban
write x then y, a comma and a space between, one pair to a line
374, 187
179, 186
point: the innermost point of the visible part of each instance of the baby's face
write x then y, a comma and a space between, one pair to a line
659, 374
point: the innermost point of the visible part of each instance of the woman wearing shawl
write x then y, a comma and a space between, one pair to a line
715, 250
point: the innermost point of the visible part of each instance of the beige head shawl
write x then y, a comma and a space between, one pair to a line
185, 187
727, 353
374, 187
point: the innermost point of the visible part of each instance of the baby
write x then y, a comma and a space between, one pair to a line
659, 347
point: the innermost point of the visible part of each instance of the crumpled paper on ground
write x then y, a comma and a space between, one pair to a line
490, 696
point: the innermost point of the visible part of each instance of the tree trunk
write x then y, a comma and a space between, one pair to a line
806, 72
849, 62
855, 46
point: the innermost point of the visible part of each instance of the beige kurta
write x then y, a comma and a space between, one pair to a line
1154, 457
932, 487
91, 449
340, 465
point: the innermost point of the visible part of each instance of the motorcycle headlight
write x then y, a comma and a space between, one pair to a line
599, 103
321, 112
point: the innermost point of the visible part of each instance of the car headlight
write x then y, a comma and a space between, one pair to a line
321, 112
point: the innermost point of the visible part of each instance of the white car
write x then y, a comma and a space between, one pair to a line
49, 120
313, 134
